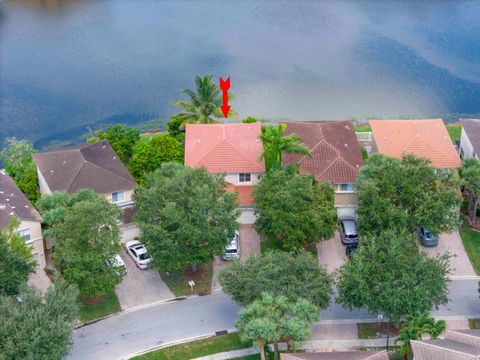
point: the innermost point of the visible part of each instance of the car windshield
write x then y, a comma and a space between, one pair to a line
351, 236
144, 256
230, 251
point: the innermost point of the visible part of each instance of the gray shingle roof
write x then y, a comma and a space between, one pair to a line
92, 166
472, 129
14, 203
340, 355
453, 346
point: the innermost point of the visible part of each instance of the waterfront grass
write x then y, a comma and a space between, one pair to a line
455, 131
198, 348
471, 242
177, 281
363, 128
110, 305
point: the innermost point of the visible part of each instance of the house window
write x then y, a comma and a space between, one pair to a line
346, 187
118, 196
244, 177
24, 234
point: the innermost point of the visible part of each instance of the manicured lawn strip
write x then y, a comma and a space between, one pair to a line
455, 131
178, 281
375, 330
364, 128
471, 242
474, 323
109, 306
198, 348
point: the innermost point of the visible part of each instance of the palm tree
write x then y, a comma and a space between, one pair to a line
203, 104
470, 180
275, 143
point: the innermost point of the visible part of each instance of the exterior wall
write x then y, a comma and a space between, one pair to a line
232, 178
128, 198
44, 189
36, 240
425, 351
345, 199
466, 147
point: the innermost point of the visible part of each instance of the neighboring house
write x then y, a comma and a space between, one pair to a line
93, 166
336, 157
13, 203
338, 355
232, 149
427, 138
457, 345
470, 139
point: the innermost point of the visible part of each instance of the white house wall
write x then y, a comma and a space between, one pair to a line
233, 178
44, 189
466, 145
36, 240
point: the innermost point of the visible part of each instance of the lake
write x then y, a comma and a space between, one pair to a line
73, 65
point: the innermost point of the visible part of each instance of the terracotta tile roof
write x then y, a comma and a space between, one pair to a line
245, 194
92, 166
427, 138
14, 203
230, 148
338, 355
472, 129
335, 152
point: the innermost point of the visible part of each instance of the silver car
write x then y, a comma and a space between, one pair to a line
138, 253
232, 250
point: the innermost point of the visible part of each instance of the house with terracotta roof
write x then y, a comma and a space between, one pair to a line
337, 355
470, 139
14, 204
456, 345
92, 166
335, 157
426, 138
232, 149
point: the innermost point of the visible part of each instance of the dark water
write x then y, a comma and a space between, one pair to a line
69, 65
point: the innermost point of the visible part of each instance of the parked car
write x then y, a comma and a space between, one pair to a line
138, 253
117, 261
427, 238
232, 251
350, 249
348, 230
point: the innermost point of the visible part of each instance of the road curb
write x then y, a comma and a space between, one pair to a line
464, 277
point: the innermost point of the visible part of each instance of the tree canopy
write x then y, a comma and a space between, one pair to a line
470, 180
19, 164
176, 129
406, 193
121, 138
36, 327
186, 216
279, 273
388, 275
85, 228
148, 156
16, 260
272, 319
293, 208
275, 143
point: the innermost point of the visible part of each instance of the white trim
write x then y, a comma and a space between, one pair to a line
33, 240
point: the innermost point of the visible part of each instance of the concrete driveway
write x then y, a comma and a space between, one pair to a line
453, 243
140, 287
331, 253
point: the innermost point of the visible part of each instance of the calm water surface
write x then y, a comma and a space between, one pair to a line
69, 65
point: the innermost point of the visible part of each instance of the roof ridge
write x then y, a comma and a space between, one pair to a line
318, 144
329, 166
76, 175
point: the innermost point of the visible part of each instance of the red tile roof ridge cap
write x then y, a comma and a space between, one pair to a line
333, 163
318, 144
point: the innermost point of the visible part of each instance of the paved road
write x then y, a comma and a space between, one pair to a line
126, 334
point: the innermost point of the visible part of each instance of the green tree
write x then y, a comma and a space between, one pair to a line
275, 142
176, 129
413, 329
470, 180
186, 216
388, 275
18, 162
203, 104
86, 239
249, 120
406, 193
121, 138
16, 260
272, 319
36, 327
279, 273
293, 208
148, 156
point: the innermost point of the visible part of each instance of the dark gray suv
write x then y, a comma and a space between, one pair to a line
428, 239
348, 230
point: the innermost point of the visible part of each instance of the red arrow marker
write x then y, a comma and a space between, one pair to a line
224, 86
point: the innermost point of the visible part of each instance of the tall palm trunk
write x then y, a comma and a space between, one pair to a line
261, 346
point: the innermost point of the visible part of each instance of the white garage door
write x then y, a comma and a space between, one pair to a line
247, 216
346, 211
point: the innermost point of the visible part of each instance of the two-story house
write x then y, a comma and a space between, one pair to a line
232, 149
427, 138
470, 139
93, 166
14, 204
335, 157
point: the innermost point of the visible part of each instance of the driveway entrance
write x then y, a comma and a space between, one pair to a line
331, 253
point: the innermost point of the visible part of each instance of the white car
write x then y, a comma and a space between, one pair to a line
117, 261
138, 253
232, 251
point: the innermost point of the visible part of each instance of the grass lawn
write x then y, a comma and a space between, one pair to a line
474, 323
471, 241
455, 131
178, 281
109, 306
375, 330
148, 137
198, 348
269, 244
364, 128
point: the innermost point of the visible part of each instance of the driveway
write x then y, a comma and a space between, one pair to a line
453, 243
140, 287
331, 253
